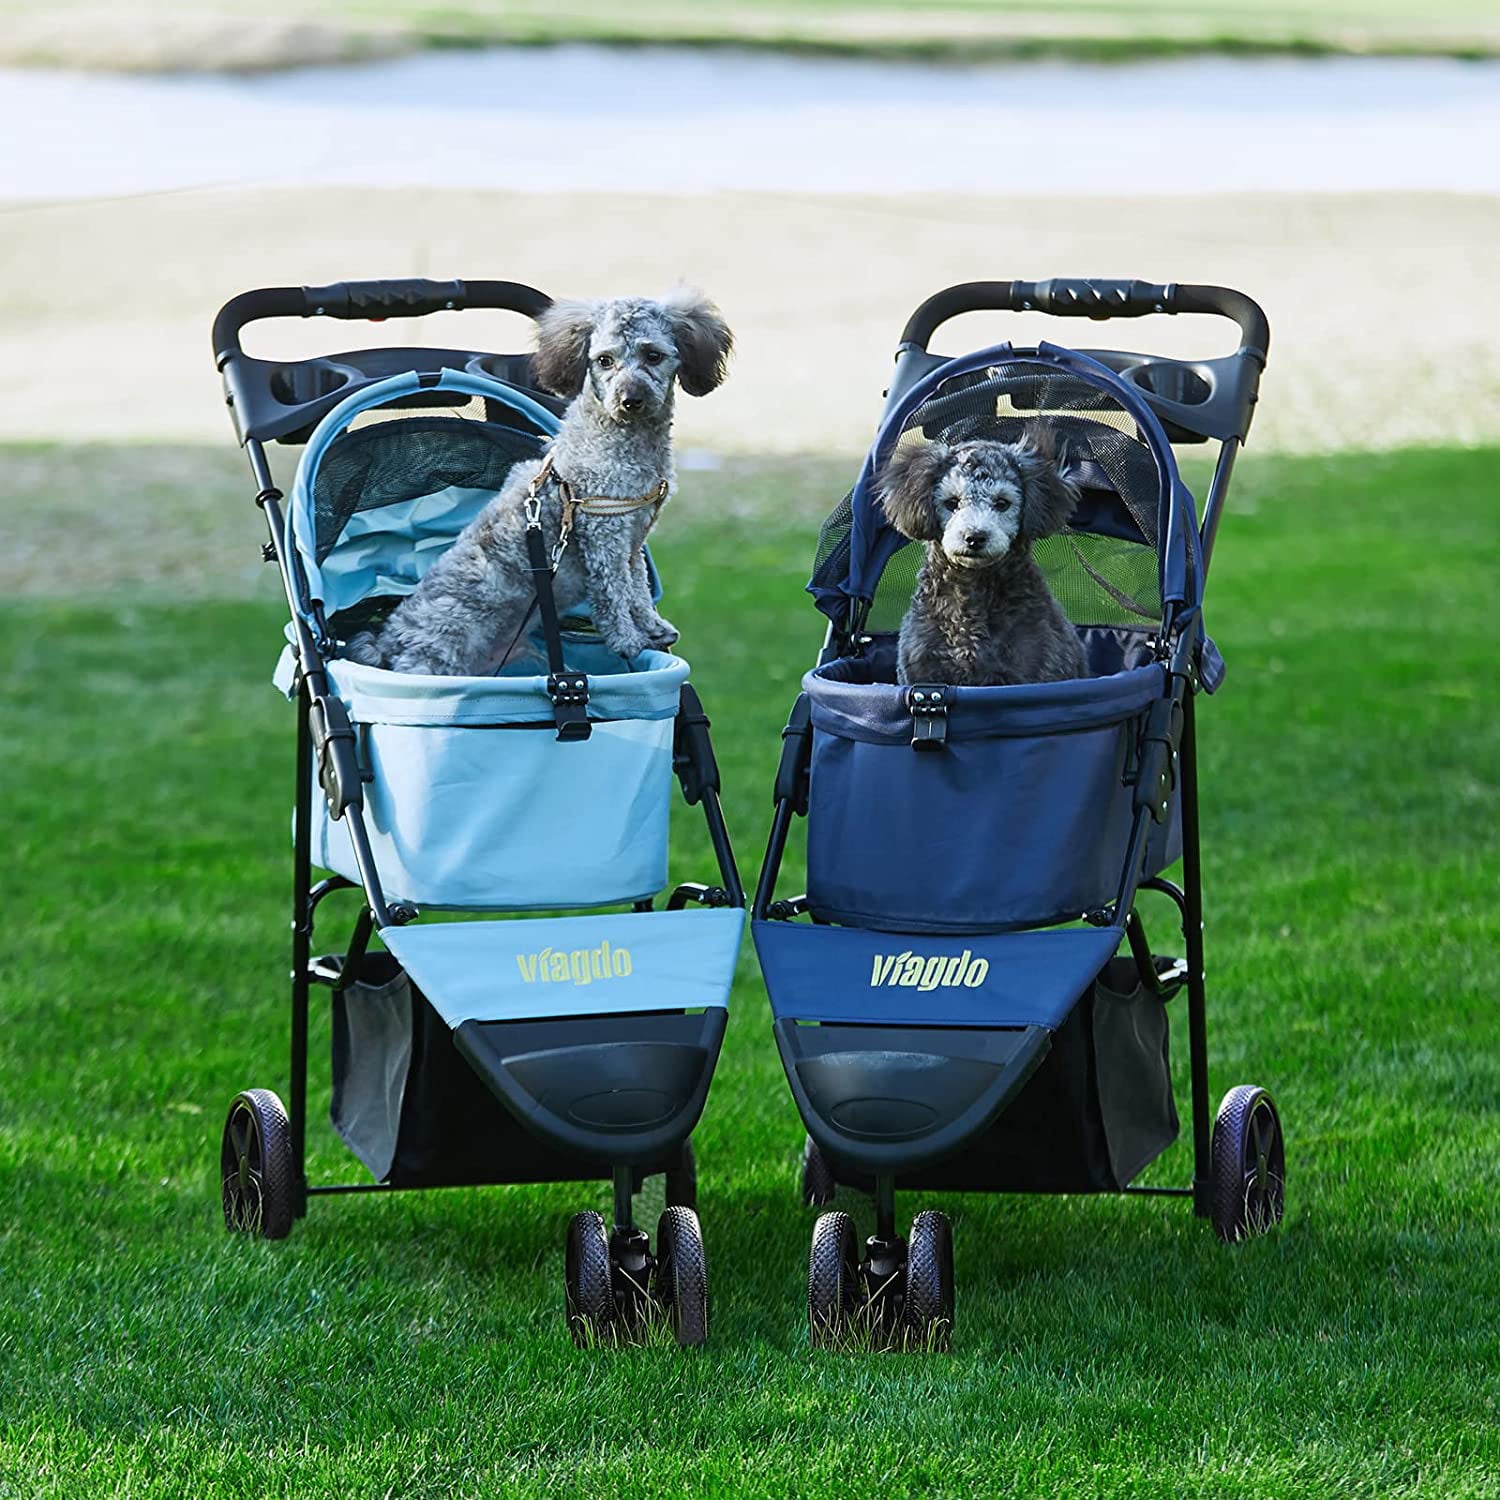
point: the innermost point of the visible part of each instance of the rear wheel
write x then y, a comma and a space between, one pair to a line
256, 1168
681, 1279
1248, 1172
833, 1279
818, 1184
927, 1312
590, 1294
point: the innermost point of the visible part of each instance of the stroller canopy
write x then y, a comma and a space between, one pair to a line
391, 476
1130, 554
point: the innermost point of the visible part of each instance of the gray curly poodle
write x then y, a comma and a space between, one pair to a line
982, 614
621, 361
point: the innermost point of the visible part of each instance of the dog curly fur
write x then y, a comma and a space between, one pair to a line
982, 614
621, 361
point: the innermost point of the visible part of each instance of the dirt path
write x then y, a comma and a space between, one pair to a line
1384, 309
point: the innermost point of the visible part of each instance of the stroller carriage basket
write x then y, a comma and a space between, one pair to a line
465, 809
1026, 817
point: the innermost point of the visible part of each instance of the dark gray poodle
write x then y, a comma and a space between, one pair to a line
982, 614
621, 362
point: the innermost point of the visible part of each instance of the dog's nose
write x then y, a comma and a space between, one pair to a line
631, 403
974, 540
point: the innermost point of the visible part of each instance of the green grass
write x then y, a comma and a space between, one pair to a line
415, 1346
955, 30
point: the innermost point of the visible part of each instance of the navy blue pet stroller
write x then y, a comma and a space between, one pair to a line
535, 1048
974, 1003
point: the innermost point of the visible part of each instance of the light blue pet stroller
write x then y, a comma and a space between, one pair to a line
511, 1049
974, 1004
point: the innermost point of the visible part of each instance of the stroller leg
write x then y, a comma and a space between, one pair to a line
302, 920
624, 1194
885, 1208
630, 1259
1193, 936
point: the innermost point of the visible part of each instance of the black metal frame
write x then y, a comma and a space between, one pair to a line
324, 734
1168, 750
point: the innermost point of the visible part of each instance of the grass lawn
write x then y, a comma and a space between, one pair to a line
156, 33
414, 1345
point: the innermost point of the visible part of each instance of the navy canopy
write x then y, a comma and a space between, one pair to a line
1131, 553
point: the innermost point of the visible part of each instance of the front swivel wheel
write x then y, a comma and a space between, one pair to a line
833, 1280
681, 1277
927, 1307
590, 1288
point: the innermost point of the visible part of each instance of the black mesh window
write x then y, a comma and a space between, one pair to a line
402, 457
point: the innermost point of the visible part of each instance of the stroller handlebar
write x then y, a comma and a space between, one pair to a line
1064, 297
411, 297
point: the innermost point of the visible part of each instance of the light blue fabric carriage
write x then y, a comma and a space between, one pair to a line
514, 1048
466, 806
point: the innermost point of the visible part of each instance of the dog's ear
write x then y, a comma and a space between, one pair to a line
704, 341
906, 486
561, 361
1049, 493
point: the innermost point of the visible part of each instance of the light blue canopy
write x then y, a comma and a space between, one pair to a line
386, 551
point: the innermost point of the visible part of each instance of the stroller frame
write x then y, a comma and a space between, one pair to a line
284, 400
910, 1282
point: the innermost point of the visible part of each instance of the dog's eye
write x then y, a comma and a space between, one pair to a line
1002, 505
950, 504
652, 356
606, 361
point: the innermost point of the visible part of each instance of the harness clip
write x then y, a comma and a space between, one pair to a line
928, 702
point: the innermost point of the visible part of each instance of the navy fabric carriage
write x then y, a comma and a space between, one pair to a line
543, 1047
973, 1003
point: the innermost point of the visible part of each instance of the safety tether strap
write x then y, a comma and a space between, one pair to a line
569, 691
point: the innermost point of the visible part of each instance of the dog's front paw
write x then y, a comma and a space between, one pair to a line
627, 644
661, 634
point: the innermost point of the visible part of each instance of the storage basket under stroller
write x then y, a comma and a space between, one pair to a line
540, 1047
955, 1014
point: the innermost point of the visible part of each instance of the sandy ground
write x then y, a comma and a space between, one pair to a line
1385, 310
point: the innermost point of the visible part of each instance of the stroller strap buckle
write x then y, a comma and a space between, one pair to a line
928, 703
569, 692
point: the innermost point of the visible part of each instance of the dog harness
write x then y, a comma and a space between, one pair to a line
590, 505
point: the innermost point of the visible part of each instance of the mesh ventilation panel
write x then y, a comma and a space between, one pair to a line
1104, 569
390, 455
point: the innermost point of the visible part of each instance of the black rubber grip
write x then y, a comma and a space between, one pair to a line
411, 297
1087, 298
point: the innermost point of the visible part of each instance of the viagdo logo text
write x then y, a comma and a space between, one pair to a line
916, 971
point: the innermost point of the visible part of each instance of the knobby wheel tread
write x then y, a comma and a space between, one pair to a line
1247, 1165
832, 1278
590, 1291
927, 1311
256, 1166
682, 1275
